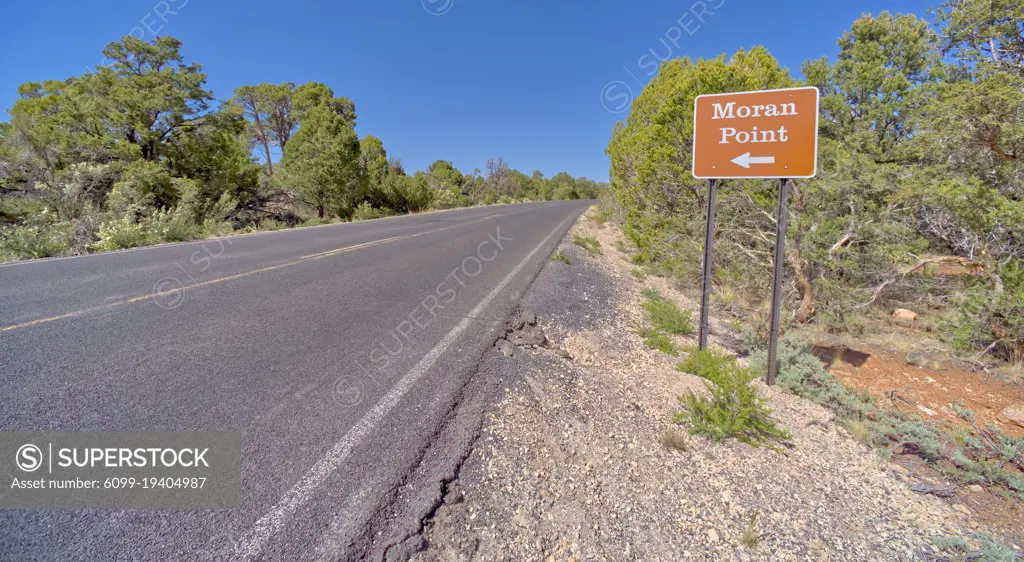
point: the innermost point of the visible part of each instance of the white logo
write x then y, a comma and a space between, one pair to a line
616, 96
438, 7
29, 457
169, 293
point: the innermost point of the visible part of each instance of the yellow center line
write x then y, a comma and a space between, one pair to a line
310, 257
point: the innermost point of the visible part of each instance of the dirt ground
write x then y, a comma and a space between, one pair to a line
929, 391
581, 460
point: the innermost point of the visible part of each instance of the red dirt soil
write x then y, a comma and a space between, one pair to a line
909, 388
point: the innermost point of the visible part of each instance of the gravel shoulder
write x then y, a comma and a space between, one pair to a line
570, 462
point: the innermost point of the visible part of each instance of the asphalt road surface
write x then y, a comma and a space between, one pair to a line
336, 351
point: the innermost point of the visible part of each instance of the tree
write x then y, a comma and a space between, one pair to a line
651, 153
217, 155
150, 96
281, 120
312, 94
442, 175
877, 96
540, 187
276, 111
322, 160
134, 108
498, 175
257, 104
563, 187
396, 166
373, 160
985, 31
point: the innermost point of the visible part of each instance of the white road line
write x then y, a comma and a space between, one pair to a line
270, 524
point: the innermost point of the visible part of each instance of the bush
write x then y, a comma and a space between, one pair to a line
658, 340
167, 226
993, 318
666, 316
733, 408
34, 241
82, 187
450, 198
365, 211
20, 209
121, 234
803, 374
704, 364
213, 228
588, 243
983, 457
560, 256
143, 186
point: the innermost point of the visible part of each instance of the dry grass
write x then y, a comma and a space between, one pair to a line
673, 438
751, 536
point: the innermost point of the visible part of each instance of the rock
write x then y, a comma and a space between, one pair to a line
900, 470
507, 348
904, 315
526, 318
976, 488
926, 411
532, 336
563, 354
1013, 414
916, 358
712, 535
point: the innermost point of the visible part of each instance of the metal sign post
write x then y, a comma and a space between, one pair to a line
709, 236
766, 134
780, 258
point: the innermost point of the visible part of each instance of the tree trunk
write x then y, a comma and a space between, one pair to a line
266, 148
806, 310
254, 108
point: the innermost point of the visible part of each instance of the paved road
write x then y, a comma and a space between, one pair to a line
280, 336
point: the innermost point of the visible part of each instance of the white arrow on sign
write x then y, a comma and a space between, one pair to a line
746, 160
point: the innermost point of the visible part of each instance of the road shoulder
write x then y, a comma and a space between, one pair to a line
571, 462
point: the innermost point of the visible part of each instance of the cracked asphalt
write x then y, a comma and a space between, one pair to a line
340, 352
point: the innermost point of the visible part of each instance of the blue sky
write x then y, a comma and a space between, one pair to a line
460, 80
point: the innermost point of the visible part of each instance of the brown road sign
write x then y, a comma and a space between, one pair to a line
764, 134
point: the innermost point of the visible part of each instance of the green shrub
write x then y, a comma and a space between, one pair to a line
18, 210
272, 225
167, 226
984, 454
704, 364
366, 211
802, 373
560, 256
316, 222
923, 437
658, 340
666, 316
33, 241
213, 228
143, 186
450, 198
590, 244
989, 549
733, 408
121, 234
991, 319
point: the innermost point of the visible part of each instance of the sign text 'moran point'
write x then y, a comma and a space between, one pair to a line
753, 135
